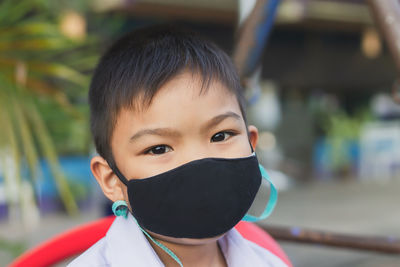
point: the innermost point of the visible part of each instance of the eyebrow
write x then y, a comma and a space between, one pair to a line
173, 133
219, 118
155, 131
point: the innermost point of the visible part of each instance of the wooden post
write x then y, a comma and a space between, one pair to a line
252, 37
387, 16
369, 243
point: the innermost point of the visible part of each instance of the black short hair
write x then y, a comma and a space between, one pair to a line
136, 66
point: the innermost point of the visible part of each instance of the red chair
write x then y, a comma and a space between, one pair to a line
77, 240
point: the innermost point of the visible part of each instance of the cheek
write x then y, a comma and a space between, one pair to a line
237, 148
243, 146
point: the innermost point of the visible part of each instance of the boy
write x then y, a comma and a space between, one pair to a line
166, 105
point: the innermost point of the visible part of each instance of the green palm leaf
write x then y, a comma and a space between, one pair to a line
30, 41
50, 154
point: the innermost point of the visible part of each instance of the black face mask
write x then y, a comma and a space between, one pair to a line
200, 199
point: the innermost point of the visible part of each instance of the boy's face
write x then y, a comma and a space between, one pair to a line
179, 126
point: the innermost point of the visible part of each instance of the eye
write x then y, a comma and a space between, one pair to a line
221, 136
158, 150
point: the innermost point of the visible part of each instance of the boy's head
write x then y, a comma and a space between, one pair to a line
161, 97
134, 69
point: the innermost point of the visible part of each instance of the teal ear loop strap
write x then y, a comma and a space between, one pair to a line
273, 197
166, 250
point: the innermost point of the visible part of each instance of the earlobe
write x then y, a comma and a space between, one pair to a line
253, 135
106, 178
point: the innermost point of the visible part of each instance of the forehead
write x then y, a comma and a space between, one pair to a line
184, 98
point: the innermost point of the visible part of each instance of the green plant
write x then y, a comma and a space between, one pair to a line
37, 61
14, 248
341, 129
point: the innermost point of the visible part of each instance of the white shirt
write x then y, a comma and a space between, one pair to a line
126, 246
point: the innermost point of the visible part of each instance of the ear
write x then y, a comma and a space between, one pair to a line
110, 184
253, 135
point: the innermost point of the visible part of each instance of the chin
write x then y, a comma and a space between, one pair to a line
185, 241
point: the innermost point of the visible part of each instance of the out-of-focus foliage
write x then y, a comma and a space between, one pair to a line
14, 248
43, 65
341, 129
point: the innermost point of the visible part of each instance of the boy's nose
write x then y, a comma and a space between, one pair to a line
195, 154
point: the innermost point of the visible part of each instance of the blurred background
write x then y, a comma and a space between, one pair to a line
320, 79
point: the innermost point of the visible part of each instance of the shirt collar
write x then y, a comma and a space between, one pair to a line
127, 246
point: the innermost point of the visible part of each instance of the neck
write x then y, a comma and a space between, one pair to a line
208, 254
